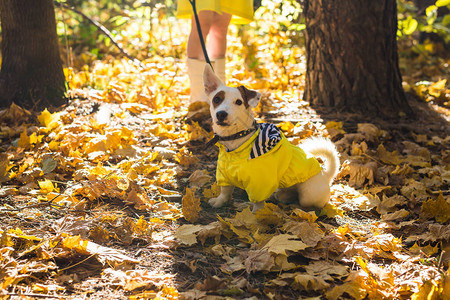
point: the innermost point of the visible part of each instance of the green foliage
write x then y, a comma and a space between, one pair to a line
410, 20
125, 20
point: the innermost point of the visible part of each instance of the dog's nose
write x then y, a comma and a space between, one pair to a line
221, 115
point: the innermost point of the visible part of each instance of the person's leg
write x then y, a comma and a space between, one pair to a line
214, 28
217, 43
196, 60
217, 40
194, 47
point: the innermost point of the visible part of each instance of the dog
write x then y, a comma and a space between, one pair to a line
258, 158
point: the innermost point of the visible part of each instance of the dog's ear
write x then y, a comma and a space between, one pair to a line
251, 97
210, 80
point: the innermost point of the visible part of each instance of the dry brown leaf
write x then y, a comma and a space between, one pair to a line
199, 178
359, 173
187, 234
370, 131
387, 157
281, 243
395, 216
325, 269
190, 205
259, 260
308, 282
438, 209
309, 233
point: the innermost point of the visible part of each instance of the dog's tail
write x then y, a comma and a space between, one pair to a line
325, 149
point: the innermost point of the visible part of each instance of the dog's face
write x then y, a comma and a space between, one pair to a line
231, 107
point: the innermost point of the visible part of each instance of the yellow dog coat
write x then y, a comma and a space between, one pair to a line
265, 162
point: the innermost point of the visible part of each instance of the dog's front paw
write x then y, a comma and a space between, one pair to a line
257, 206
218, 202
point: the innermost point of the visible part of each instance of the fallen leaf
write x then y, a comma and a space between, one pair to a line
187, 234
308, 282
281, 243
190, 205
359, 173
199, 178
438, 209
259, 260
353, 289
387, 157
398, 215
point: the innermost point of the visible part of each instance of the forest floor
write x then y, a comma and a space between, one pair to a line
107, 197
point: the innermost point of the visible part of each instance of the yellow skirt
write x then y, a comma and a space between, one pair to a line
241, 10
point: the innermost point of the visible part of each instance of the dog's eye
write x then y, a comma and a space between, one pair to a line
238, 102
216, 100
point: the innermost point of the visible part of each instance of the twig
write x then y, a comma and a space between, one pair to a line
50, 202
101, 28
34, 295
74, 265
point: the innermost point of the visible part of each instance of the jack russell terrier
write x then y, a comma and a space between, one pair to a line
258, 158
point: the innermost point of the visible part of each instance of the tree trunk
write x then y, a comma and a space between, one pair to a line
352, 61
31, 73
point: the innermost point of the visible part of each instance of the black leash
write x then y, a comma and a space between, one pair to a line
200, 35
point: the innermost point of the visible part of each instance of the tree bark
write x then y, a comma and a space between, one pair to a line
31, 73
352, 60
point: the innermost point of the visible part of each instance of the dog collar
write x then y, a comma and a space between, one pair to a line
234, 136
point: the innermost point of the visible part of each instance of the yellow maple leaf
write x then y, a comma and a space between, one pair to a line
331, 211
427, 250
185, 158
334, 128
212, 192
343, 230
438, 209
18, 233
24, 140
303, 215
141, 227
354, 289
388, 157
34, 138
437, 88
190, 205
287, 128
5, 165
271, 214
428, 290
49, 120
47, 186
75, 243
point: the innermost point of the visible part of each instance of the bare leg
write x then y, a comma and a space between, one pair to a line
224, 197
214, 31
194, 48
217, 40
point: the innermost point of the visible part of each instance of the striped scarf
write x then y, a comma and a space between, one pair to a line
269, 135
